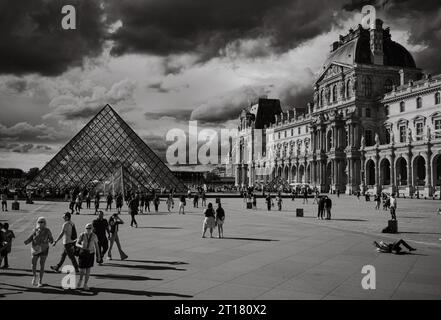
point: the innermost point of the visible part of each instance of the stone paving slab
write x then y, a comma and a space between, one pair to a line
264, 255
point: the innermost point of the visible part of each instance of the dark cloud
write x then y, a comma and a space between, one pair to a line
32, 40
25, 132
24, 148
159, 87
178, 114
166, 27
297, 97
423, 21
228, 106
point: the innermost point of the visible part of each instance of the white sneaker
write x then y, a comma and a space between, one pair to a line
39, 285
34, 281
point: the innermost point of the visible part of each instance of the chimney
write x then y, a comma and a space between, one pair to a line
402, 77
334, 46
377, 41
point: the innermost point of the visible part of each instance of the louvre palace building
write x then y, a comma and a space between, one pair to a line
374, 125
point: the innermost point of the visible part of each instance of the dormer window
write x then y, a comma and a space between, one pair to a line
437, 98
402, 106
419, 103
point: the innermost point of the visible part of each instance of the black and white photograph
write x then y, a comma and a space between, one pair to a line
220, 155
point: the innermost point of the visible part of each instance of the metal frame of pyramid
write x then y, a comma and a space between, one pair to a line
105, 144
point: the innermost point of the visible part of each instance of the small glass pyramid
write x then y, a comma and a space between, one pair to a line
105, 146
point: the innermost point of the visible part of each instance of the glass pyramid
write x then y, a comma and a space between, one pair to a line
105, 149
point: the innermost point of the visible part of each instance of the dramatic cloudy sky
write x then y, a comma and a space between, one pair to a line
161, 63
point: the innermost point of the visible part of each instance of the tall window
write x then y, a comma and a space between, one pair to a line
348, 89
437, 98
334, 93
402, 134
419, 103
299, 130
292, 132
438, 125
386, 111
369, 138
419, 131
368, 112
279, 135
388, 85
367, 86
402, 106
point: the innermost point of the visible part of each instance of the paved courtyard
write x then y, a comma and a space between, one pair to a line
264, 255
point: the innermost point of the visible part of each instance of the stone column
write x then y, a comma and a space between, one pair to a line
428, 185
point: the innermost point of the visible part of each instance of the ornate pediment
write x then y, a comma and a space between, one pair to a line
333, 70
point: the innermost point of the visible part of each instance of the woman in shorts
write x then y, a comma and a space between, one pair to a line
88, 244
40, 239
209, 221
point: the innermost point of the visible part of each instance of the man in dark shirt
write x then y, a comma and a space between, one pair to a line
101, 229
109, 202
328, 207
321, 208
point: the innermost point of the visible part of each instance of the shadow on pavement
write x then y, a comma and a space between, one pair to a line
142, 267
427, 233
158, 262
249, 239
165, 228
124, 277
48, 289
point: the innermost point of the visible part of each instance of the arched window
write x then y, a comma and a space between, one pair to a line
367, 86
419, 103
388, 85
348, 89
368, 112
437, 98
334, 93
402, 106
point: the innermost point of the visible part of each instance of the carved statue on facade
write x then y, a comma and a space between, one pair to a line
392, 136
363, 143
410, 135
377, 140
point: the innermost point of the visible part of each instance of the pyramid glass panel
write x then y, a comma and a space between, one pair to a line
104, 147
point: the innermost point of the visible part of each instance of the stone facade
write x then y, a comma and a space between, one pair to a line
374, 125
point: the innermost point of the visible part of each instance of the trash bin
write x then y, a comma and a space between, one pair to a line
16, 206
299, 212
393, 226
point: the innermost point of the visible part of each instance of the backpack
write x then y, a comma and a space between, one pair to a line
73, 235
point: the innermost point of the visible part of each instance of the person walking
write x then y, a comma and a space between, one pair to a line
40, 239
114, 223
88, 200
393, 206
254, 202
8, 235
4, 198
268, 201
305, 196
72, 204
78, 203
69, 235
279, 202
182, 204
358, 195
209, 220
220, 219
328, 207
101, 229
119, 202
133, 211
109, 201
147, 203
321, 208
204, 199
89, 247
97, 202
156, 203
170, 202
338, 193
377, 200
196, 200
